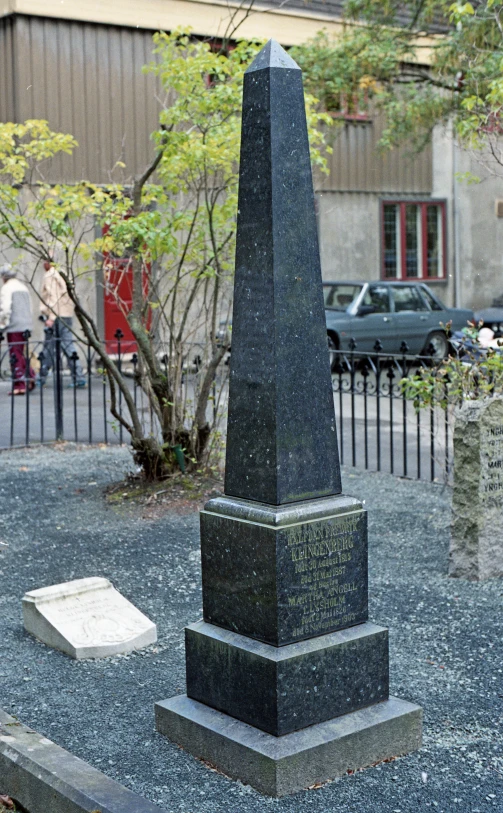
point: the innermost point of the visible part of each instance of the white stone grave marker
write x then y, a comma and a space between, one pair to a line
86, 618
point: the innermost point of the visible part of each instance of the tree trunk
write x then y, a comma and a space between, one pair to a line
151, 457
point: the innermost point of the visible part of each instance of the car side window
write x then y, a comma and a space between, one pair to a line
378, 296
407, 298
432, 302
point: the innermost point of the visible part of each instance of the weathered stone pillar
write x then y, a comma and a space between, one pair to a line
476, 550
287, 680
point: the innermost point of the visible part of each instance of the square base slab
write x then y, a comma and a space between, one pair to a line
287, 688
277, 766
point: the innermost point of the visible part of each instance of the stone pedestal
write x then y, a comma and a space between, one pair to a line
287, 681
476, 548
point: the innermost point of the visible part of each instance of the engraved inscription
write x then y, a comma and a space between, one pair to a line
492, 465
327, 562
103, 617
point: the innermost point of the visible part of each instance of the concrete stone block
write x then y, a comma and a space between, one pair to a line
278, 766
476, 547
45, 778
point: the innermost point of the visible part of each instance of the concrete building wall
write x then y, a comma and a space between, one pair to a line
475, 233
357, 165
480, 235
349, 234
350, 226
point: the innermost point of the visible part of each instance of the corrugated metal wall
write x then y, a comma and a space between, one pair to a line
86, 79
7, 111
356, 165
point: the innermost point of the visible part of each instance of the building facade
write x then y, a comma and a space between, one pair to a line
392, 215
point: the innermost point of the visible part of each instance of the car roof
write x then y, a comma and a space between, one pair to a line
371, 282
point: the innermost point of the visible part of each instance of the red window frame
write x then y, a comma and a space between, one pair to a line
423, 270
353, 107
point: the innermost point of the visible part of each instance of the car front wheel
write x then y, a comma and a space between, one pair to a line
437, 346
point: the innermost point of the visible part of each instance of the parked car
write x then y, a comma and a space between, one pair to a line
391, 312
492, 317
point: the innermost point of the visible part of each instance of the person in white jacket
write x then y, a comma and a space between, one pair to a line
16, 321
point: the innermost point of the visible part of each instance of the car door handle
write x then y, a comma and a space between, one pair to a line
423, 318
386, 319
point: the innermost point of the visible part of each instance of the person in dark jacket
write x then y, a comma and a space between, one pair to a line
15, 320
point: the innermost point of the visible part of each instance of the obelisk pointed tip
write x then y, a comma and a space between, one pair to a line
272, 55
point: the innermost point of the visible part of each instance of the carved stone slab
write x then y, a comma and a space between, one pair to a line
476, 550
287, 573
86, 618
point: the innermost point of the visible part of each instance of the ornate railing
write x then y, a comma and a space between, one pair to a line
378, 427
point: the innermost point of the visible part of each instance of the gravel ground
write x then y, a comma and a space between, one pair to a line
446, 641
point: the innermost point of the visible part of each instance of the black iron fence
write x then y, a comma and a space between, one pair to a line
378, 428
51, 395
63, 407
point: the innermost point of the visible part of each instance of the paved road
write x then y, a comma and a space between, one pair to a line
86, 416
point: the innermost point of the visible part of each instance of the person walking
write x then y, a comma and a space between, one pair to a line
16, 321
57, 310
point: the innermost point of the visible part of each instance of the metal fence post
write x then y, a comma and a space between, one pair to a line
352, 348
391, 379
41, 360
13, 381
134, 361
404, 349
365, 375
73, 370
119, 335
377, 350
89, 396
58, 383
27, 384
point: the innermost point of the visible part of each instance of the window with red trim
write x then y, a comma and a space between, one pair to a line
413, 240
348, 106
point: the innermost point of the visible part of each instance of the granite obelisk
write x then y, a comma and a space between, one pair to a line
281, 437
287, 680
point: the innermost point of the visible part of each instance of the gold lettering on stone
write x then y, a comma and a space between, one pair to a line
321, 553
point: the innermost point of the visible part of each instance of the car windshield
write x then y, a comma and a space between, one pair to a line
339, 295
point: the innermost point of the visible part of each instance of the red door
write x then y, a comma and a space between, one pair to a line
118, 298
